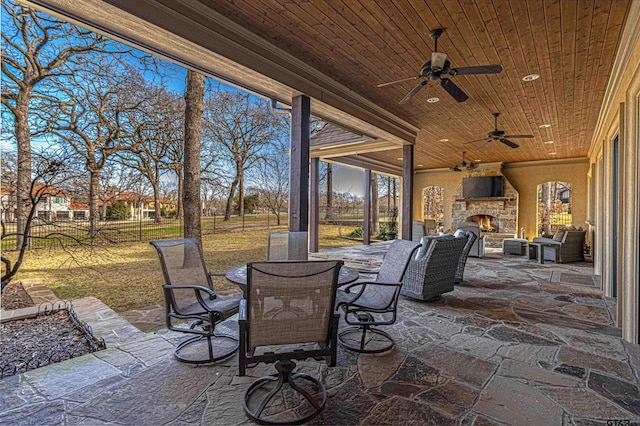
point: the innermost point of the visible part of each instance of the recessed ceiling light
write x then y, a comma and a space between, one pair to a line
548, 142
420, 165
530, 77
552, 153
477, 161
399, 158
433, 100
544, 126
444, 140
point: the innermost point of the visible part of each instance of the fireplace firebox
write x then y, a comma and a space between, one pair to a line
486, 222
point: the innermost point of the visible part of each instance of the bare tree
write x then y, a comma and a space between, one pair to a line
47, 173
273, 182
194, 108
8, 176
37, 47
158, 129
243, 125
96, 116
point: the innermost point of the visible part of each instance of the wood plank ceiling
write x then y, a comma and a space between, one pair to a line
571, 44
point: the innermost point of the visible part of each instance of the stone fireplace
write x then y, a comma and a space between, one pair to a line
497, 217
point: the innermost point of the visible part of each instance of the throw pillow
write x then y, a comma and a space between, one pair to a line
558, 236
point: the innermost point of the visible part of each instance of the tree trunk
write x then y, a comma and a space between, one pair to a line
103, 213
388, 197
94, 191
329, 215
241, 192
23, 181
156, 203
232, 190
180, 189
375, 218
194, 108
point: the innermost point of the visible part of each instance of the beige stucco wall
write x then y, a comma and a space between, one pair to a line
525, 177
620, 116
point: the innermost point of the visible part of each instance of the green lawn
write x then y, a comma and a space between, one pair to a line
127, 276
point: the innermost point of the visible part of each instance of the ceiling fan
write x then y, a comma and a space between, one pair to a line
463, 165
439, 66
498, 135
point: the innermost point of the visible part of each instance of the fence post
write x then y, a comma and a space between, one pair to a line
268, 224
242, 221
214, 222
140, 229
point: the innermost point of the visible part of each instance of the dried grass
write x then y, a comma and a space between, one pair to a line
127, 276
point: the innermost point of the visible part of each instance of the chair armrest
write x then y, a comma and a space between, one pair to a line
242, 310
211, 274
197, 289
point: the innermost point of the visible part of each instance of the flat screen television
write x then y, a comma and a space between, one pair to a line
482, 187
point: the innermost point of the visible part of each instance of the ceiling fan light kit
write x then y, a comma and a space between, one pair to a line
530, 77
464, 165
437, 68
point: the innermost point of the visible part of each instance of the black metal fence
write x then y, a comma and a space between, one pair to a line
58, 233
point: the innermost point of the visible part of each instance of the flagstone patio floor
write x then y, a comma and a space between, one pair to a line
516, 343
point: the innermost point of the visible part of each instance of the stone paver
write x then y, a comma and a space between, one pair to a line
515, 343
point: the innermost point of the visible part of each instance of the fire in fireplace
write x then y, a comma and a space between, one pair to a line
486, 222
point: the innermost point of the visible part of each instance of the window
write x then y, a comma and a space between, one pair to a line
434, 204
554, 206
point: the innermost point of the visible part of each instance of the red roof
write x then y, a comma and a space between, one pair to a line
78, 205
51, 190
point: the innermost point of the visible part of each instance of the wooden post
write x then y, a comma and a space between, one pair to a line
366, 221
314, 209
407, 191
299, 175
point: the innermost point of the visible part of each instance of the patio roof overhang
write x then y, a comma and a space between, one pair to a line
337, 52
192, 35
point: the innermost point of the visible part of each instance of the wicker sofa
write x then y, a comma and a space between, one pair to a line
569, 243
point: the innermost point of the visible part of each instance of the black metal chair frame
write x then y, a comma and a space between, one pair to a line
365, 321
284, 365
361, 317
203, 322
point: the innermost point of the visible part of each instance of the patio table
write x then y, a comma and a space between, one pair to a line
238, 275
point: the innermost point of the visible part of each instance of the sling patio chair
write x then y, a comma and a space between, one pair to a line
287, 246
192, 306
367, 305
288, 314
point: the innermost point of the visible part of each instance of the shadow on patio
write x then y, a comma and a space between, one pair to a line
516, 343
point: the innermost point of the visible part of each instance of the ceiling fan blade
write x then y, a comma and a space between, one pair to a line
509, 143
477, 140
484, 144
415, 90
437, 60
517, 136
472, 166
453, 90
398, 81
455, 169
480, 69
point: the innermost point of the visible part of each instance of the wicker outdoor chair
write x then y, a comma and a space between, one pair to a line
434, 273
471, 238
191, 304
287, 246
288, 305
374, 303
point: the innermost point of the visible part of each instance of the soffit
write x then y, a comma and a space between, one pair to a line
570, 44
358, 44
